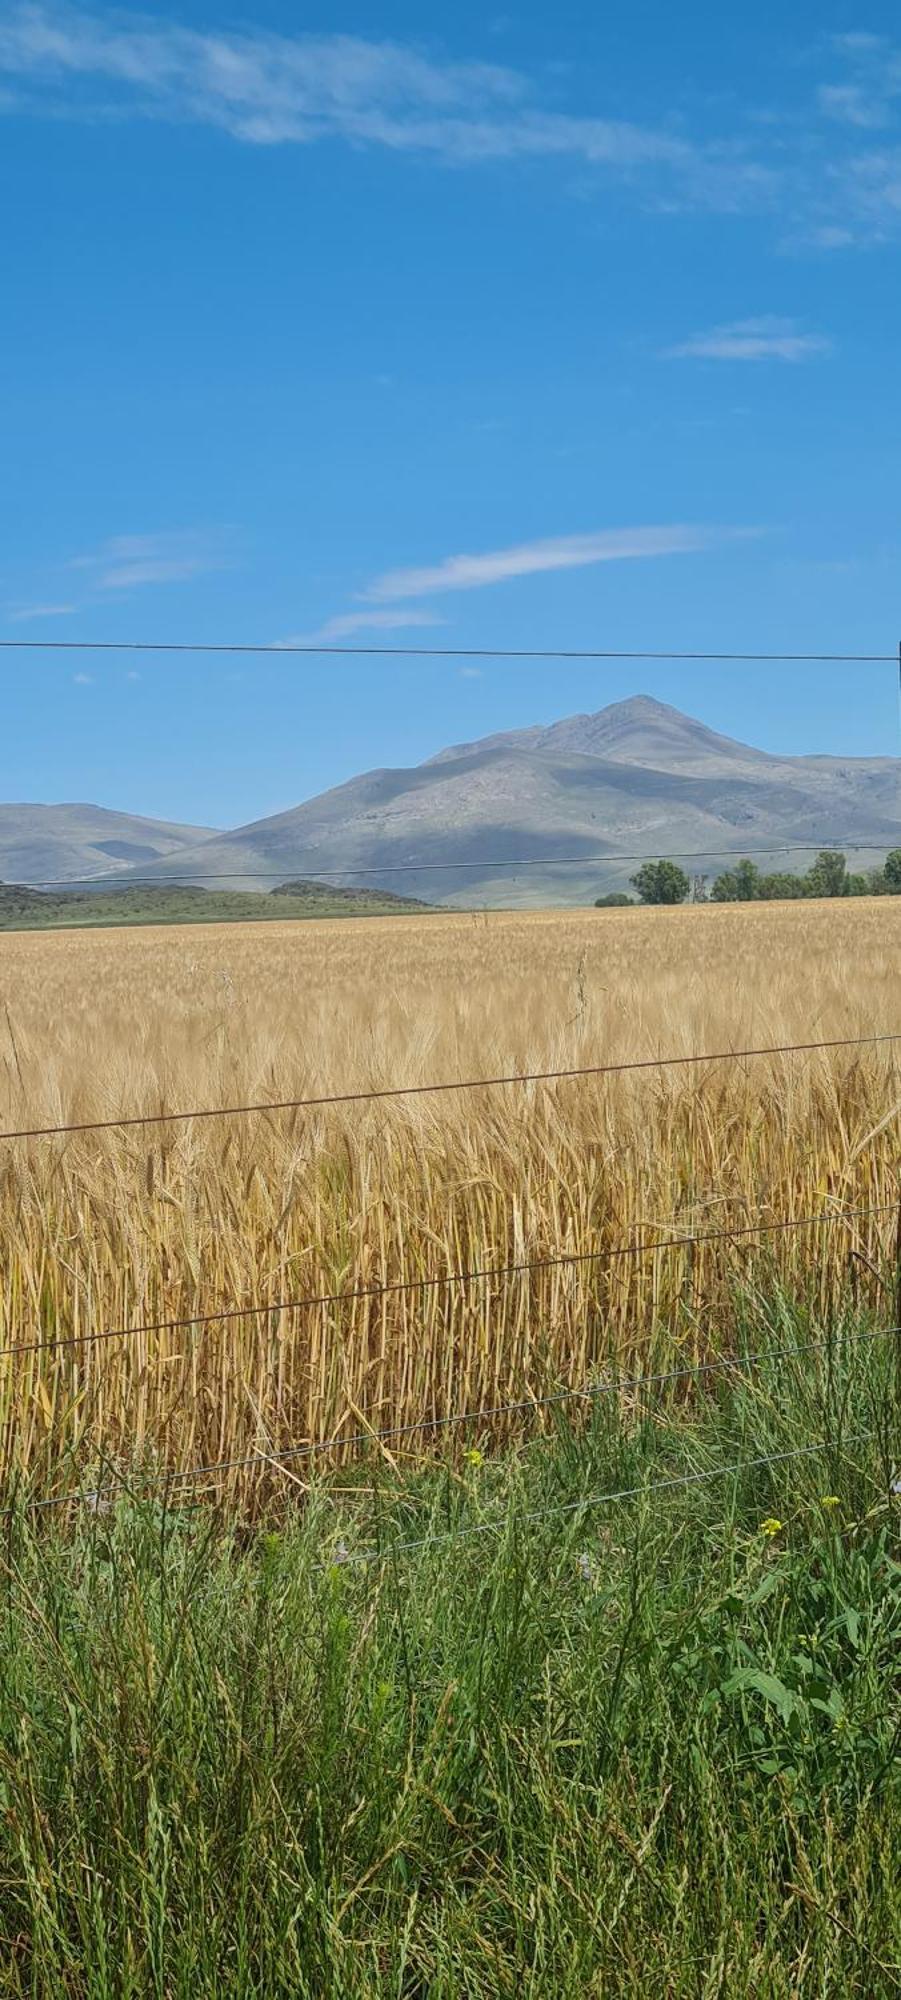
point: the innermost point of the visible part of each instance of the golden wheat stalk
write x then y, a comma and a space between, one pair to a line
122, 1228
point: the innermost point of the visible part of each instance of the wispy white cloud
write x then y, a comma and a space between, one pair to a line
763, 339
852, 105
127, 562
799, 163
870, 88
25, 612
857, 196
347, 624
473, 572
269, 89
871, 194
83, 680
260, 86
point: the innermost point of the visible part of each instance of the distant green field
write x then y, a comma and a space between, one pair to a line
24, 909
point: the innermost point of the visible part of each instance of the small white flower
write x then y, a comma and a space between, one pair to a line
585, 1567
341, 1553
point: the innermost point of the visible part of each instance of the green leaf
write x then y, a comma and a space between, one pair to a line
753, 1680
833, 1705
764, 1589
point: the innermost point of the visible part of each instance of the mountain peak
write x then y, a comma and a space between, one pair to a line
637, 730
643, 730
641, 704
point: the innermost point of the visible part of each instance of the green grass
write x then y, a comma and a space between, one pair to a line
511, 1743
24, 909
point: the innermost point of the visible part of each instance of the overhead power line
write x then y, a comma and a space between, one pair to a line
438, 1089
563, 1260
429, 652
112, 880
591, 1392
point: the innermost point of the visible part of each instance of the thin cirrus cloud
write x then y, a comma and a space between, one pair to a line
870, 89
127, 562
25, 612
347, 624
264, 88
559, 552
763, 339
862, 186
809, 170
132, 562
850, 104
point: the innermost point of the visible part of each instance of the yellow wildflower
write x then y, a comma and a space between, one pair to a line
830, 1500
771, 1527
474, 1456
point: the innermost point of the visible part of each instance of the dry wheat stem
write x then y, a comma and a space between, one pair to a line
147, 1225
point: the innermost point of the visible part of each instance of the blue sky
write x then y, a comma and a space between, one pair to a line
574, 326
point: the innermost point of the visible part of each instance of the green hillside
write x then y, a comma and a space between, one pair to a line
24, 909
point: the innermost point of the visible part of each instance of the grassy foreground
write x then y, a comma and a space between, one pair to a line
458, 1730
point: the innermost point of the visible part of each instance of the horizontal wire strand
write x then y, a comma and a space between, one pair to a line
435, 1282
436, 1089
426, 652
642, 1491
112, 880
591, 1392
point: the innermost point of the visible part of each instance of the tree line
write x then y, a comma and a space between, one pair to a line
829, 875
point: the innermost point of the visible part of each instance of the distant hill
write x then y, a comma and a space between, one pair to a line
49, 842
636, 778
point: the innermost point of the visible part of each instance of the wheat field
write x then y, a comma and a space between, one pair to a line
104, 1231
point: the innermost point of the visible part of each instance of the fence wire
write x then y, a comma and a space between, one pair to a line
403, 1090
567, 1259
588, 1393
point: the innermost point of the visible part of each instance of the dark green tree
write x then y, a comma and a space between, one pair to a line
828, 876
892, 871
661, 882
782, 887
740, 884
617, 900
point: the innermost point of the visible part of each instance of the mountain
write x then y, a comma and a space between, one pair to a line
49, 843
637, 778
640, 731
